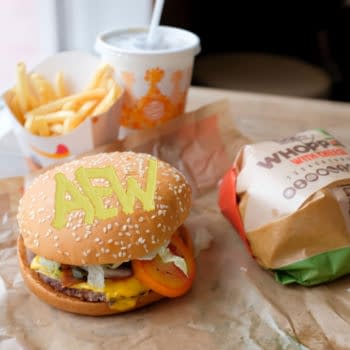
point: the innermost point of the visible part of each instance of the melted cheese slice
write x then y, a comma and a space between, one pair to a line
122, 294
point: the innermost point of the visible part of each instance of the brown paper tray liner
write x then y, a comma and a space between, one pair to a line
234, 304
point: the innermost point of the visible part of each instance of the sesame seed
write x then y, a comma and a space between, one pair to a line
97, 239
77, 239
110, 240
141, 219
55, 238
105, 230
66, 254
107, 250
97, 254
141, 240
109, 226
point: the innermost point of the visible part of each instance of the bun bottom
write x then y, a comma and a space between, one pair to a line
64, 302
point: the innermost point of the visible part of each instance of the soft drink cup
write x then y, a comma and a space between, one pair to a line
156, 79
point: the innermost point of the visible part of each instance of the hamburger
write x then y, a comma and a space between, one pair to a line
104, 234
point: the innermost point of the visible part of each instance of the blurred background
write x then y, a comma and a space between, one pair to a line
293, 48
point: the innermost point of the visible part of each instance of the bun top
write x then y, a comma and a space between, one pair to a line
103, 209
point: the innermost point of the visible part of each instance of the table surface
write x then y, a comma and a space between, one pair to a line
258, 116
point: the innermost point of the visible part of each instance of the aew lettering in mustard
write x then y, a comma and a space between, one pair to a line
91, 200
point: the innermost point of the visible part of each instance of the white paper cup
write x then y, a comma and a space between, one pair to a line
156, 80
41, 151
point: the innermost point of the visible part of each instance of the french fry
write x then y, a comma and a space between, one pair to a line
58, 104
60, 85
22, 88
42, 127
55, 117
101, 71
70, 106
48, 88
37, 127
106, 78
83, 112
43, 92
106, 102
56, 129
14, 105
46, 110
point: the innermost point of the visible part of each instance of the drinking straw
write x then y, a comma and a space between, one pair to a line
157, 12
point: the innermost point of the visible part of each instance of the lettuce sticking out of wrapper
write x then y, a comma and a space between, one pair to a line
289, 200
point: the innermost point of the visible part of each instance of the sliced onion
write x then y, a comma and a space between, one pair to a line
96, 276
78, 273
52, 267
120, 272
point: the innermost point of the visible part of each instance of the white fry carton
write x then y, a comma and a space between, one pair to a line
78, 68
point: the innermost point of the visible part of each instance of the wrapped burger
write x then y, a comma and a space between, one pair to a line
290, 202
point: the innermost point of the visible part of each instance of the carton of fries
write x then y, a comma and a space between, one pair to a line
67, 105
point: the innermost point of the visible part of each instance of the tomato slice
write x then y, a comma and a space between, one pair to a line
165, 278
67, 279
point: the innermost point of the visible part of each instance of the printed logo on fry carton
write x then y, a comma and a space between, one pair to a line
69, 197
62, 151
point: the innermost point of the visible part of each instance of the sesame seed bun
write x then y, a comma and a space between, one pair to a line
65, 302
115, 240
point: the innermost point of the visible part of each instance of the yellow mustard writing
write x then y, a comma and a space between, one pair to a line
90, 200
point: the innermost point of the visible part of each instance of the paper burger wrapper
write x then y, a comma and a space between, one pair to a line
290, 202
78, 68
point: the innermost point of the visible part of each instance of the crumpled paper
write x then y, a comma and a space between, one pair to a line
234, 304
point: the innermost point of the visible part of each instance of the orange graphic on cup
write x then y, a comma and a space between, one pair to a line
154, 107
